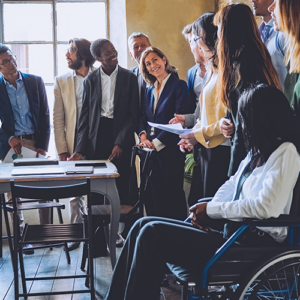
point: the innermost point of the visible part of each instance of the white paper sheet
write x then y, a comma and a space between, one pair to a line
173, 128
27, 153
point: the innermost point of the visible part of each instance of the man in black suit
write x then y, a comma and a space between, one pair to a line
137, 43
109, 114
24, 116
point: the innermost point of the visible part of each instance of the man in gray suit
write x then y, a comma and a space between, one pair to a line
109, 114
137, 43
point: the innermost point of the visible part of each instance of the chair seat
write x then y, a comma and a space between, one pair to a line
49, 233
36, 206
105, 210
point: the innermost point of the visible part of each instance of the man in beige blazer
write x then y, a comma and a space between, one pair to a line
67, 107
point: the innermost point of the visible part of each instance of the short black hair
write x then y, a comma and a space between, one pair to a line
83, 51
4, 49
267, 120
97, 45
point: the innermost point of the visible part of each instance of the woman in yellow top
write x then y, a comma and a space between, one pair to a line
211, 148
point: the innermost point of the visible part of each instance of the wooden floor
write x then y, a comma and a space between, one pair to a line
46, 262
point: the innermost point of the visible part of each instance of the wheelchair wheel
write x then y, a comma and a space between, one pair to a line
278, 278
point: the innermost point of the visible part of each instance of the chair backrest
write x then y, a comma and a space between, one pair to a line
50, 193
145, 156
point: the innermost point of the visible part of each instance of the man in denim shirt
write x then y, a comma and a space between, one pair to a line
24, 115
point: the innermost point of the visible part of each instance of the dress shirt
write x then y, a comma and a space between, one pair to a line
108, 86
78, 81
271, 39
266, 193
20, 106
157, 143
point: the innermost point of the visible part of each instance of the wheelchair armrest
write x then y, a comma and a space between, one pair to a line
282, 220
207, 199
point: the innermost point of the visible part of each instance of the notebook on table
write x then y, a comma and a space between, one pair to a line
79, 170
37, 171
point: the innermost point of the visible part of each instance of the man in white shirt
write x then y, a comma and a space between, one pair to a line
109, 115
67, 107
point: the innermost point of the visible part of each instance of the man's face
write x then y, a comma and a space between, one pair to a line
8, 64
274, 10
260, 7
71, 57
196, 50
138, 45
109, 56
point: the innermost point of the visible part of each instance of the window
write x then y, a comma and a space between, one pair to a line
38, 32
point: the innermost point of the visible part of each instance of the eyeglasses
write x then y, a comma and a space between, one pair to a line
197, 38
71, 50
6, 62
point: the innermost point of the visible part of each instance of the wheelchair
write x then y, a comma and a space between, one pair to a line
246, 273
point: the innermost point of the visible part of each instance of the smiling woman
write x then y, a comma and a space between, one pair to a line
165, 96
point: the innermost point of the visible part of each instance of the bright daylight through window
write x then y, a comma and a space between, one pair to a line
29, 31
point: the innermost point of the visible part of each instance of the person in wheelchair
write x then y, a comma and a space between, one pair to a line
269, 172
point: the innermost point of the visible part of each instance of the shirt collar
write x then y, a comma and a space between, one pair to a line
115, 71
163, 82
19, 78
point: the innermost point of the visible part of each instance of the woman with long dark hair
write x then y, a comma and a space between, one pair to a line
272, 167
243, 60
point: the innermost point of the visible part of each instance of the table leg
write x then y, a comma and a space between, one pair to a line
1, 242
112, 195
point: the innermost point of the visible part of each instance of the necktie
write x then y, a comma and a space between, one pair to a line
268, 30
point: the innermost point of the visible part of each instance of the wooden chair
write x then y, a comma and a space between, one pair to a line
50, 234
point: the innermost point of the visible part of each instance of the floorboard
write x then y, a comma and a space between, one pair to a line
46, 262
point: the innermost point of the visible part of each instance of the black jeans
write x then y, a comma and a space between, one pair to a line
151, 243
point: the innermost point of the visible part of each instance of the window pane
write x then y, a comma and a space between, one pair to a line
61, 58
91, 25
27, 22
35, 59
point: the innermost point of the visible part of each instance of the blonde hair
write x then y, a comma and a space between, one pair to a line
143, 69
289, 18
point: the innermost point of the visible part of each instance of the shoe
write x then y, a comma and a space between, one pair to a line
27, 249
74, 245
120, 241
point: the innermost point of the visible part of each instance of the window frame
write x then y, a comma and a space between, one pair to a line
54, 41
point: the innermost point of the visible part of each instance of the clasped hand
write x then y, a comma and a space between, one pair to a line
145, 143
187, 142
199, 216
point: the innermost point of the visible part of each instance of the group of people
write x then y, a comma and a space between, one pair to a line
241, 99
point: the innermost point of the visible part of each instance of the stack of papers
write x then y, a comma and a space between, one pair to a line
173, 128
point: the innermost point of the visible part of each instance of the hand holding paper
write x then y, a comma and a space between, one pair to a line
173, 128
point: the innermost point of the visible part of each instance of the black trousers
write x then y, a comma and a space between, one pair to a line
151, 243
165, 195
104, 147
210, 172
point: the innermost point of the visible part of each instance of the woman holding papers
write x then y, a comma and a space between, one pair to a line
211, 148
165, 96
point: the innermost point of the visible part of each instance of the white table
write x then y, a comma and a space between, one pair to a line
102, 182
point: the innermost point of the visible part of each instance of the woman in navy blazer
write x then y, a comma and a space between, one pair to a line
165, 96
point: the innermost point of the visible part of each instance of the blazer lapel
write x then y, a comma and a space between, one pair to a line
6, 107
97, 82
72, 95
152, 102
119, 83
165, 91
33, 107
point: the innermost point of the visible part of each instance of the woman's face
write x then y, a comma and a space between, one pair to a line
274, 10
207, 53
155, 65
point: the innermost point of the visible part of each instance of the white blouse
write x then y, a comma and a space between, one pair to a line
266, 193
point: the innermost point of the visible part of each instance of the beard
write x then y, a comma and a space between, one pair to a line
75, 64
